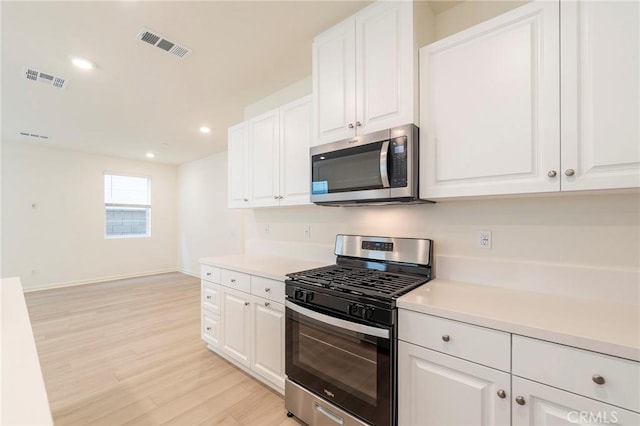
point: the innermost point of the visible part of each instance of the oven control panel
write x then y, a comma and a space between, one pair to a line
377, 246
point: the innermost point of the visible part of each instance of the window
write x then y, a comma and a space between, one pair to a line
127, 206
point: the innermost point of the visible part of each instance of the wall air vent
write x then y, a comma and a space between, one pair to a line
50, 80
160, 42
33, 135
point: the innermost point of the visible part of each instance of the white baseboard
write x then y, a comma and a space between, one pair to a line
100, 280
184, 271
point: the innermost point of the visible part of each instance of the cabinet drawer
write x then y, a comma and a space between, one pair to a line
577, 370
478, 344
211, 328
237, 280
210, 273
210, 294
269, 289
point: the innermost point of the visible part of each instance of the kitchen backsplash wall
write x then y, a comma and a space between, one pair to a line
587, 230
53, 229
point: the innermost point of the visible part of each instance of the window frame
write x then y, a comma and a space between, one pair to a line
131, 206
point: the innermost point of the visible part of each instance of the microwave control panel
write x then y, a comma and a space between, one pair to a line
398, 172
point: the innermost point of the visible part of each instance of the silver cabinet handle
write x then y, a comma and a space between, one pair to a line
358, 124
208, 274
520, 400
552, 173
246, 303
569, 172
245, 199
275, 197
351, 125
267, 304
208, 297
501, 394
233, 280
446, 338
598, 379
267, 289
208, 328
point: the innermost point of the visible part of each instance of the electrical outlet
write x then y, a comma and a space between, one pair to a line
265, 229
484, 239
306, 231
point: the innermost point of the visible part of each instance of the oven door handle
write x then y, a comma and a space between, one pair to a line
337, 322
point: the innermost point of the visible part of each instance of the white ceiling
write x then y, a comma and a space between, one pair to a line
139, 98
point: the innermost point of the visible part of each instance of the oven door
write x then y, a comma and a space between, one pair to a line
344, 362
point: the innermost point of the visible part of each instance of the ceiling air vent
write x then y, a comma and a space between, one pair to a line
160, 42
33, 135
48, 79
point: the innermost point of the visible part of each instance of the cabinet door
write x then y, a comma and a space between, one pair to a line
542, 405
436, 389
236, 325
295, 140
210, 294
268, 339
490, 107
238, 166
385, 64
334, 74
600, 102
265, 158
210, 332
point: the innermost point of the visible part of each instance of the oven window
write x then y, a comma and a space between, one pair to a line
347, 170
348, 368
339, 356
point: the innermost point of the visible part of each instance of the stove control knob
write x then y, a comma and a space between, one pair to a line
298, 294
308, 296
367, 313
355, 309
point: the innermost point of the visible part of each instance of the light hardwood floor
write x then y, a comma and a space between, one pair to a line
129, 352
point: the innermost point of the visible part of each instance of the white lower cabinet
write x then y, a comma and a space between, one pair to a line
437, 389
243, 319
268, 339
536, 383
210, 332
540, 405
236, 323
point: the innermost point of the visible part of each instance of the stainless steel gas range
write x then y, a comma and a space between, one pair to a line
341, 330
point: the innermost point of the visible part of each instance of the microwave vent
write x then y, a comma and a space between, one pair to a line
157, 40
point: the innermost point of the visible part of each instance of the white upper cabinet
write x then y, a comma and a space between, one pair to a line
334, 83
543, 98
238, 170
295, 162
490, 107
600, 44
264, 154
269, 157
365, 72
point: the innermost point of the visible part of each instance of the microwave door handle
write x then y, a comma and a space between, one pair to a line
384, 172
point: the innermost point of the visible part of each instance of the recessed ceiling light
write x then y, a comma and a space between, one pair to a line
205, 129
150, 155
82, 63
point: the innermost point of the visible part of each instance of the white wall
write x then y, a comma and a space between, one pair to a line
470, 13
206, 227
61, 241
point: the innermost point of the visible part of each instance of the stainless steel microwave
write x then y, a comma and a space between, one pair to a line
378, 168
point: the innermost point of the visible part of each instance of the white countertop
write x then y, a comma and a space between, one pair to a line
275, 268
23, 397
606, 327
